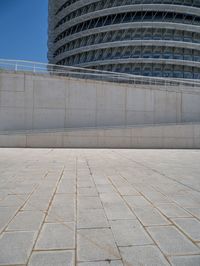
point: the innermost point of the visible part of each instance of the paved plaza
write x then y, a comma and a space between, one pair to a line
99, 207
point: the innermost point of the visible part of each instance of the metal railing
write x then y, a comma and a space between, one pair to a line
84, 73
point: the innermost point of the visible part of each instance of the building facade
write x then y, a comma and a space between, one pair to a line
143, 37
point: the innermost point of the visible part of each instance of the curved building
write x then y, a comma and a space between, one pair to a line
143, 37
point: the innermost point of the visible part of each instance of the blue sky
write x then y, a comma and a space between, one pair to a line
23, 29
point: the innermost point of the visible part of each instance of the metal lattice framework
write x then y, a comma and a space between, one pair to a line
141, 37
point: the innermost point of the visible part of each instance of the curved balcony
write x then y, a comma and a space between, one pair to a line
118, 35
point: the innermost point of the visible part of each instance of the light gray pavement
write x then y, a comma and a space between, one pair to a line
99, 207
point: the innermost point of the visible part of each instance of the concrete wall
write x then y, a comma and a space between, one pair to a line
158, 136
29, 101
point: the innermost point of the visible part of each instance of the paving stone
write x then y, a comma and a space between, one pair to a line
44, 192
61, 214
13, 200
172, 210
23, 189
3, 194
62, 209
66, 186
6, 214
105, 188
155, 196
56, 236
61, 200
195, 212
92, 218
137, 201
26, 221
150, 216
171, 241
52, 258
127, 190
101, 263
89, 203
189, 201
142, 255
129, 232
115, 207
37, 203
96, 245
15, 247
85, 191
185, 260
85, 184
190, 226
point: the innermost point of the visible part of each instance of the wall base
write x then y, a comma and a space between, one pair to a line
182, 136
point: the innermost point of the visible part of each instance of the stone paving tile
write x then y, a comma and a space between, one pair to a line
142, 255
185, 260
87, 191
101, 180
58, 214
190, 201
96, 244
92, 218
37, 203
15, 247
171, 210
61, 200
150, 216
3, 193
62, 209
26, 221
85, 183
89, 203
13, 200
129, 232
102, 263
105, 188
155, 196
171, 241
127, 190
6, 214
52, 258
195, 212
137, 201
66, 186
23, 189
115, 211
56, 236
115, 207
190, 226
44, 192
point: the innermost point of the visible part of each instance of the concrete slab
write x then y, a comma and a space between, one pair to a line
26, 221
190, 226
171, 241
129, 233
143, 255
16, 247
56, 236
52, 258
96, 244
185, 260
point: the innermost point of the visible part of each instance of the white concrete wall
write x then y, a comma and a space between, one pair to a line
29, 101
158, 136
